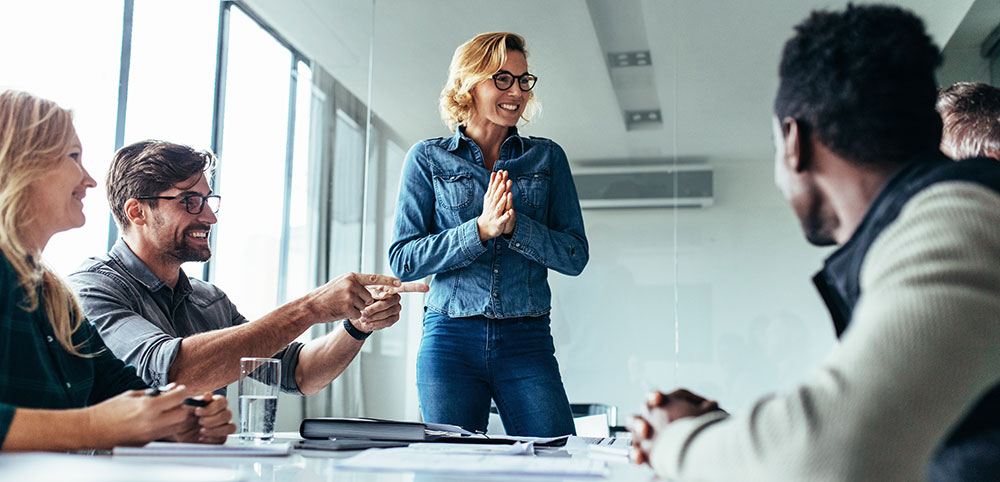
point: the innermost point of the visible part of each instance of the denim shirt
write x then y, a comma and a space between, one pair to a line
441, 196
143, 321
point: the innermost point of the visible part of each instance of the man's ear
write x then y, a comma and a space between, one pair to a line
136, 212
994, 155
796, 144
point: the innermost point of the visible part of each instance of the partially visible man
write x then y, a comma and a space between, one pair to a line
179, 329
971, 115
914, 288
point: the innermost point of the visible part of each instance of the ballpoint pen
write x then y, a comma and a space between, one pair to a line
156, 391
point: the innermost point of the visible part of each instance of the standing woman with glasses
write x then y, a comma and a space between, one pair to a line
488, 212
60, 387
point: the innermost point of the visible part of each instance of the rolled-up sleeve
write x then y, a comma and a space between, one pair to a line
130, 336
289, 357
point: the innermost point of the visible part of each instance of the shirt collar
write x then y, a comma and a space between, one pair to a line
141, 272
460, 136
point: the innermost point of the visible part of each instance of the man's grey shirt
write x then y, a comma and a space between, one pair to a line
143, 321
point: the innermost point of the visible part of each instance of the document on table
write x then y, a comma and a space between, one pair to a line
519, 448
184, 450
408, 460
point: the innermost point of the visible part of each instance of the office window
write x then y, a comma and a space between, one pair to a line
172, 77
300, 271
251, 174
346, 195
73, 59
172, 72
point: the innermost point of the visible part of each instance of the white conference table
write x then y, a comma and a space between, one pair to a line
308, 466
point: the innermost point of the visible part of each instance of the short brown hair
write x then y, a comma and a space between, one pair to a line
149, 167
971, 115
473, 62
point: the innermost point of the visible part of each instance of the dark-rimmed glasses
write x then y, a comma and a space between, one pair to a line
505, 80
194, 203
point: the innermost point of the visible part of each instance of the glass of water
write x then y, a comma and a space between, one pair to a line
260, 379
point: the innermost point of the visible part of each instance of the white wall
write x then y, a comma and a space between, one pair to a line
963, 65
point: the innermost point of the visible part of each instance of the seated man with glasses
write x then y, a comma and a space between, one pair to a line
179, 329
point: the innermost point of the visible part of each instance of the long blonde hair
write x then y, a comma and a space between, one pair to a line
474, 61
35, 134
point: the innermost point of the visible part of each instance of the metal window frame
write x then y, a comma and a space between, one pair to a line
125, 66
218, 116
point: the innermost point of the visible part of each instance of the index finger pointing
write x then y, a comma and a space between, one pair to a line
413, 287
378, 279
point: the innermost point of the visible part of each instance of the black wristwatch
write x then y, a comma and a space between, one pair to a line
354, 332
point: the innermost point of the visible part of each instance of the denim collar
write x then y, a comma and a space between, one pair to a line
138, 270
460, 136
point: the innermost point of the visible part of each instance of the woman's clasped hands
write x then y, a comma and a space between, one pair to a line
498, 208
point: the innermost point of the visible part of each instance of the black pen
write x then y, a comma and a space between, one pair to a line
155, 391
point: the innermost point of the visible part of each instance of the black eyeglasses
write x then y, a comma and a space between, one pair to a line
194, 203
505, 80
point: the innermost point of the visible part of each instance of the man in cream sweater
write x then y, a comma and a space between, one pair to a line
911, 391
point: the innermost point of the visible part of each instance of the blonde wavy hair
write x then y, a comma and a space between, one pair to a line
474, 61
35, 134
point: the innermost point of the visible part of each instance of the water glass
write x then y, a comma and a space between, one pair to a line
260, 379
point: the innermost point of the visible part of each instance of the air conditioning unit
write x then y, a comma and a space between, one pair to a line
644, 186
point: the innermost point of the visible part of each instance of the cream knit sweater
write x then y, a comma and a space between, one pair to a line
923, 345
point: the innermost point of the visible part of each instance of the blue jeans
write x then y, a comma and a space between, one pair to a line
465, 362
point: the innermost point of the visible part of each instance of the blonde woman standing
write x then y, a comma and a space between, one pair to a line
488, 212
60, 388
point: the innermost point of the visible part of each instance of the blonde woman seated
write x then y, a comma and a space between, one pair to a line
60, 388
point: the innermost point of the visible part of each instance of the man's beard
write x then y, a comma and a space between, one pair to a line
183, 252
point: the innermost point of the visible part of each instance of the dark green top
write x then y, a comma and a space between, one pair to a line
37, 372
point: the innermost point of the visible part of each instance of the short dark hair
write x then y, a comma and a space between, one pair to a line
149, 167
862, 80
971, 115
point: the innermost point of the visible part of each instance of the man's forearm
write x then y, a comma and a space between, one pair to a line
211, 360
325, 358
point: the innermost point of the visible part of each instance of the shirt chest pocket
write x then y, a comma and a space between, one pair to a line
453, 191
534, 188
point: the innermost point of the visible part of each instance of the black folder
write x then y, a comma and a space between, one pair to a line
371, 429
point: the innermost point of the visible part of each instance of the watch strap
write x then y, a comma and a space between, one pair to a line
354, 331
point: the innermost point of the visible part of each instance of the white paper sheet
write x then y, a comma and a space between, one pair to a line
519, 448
183, 450
407, 460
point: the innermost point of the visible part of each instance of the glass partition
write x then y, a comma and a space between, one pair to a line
699, 275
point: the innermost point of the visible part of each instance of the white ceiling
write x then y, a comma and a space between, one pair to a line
715, 63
